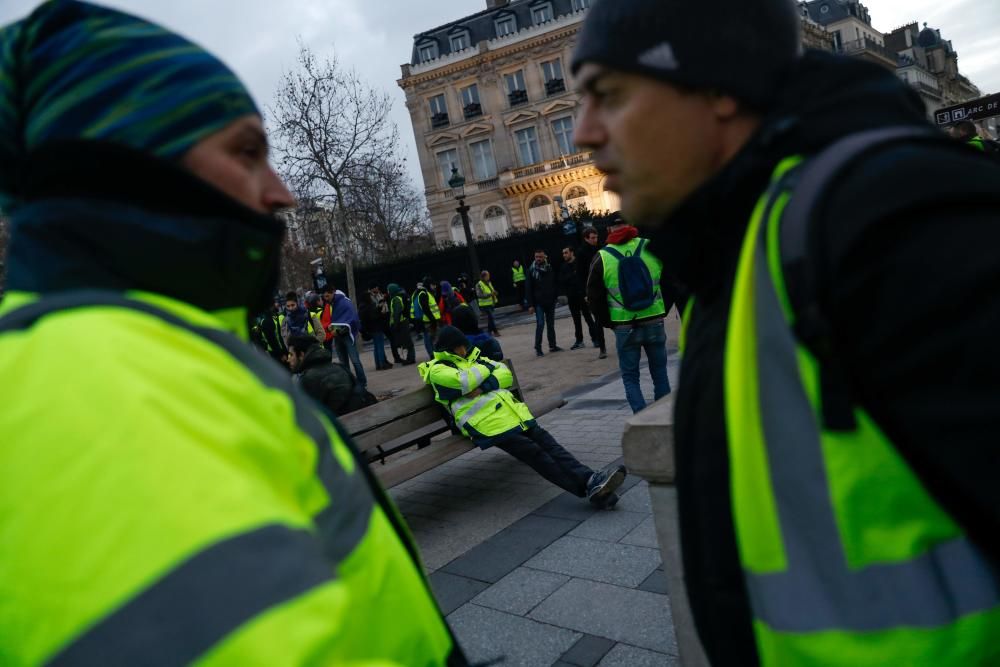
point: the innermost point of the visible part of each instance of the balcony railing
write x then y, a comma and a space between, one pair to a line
488, 184
473, 110
518, 97
555, 86
858, 47
553, 165
530, 171
439, 120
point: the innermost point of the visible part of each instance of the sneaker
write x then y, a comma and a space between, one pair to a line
555, 348
604, 482
538, 352
608, 503
603, 354
577, 345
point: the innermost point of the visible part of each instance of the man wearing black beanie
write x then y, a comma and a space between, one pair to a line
836, 419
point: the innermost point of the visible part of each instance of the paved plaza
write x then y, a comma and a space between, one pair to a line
530, 575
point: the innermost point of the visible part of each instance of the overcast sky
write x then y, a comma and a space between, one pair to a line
257, 38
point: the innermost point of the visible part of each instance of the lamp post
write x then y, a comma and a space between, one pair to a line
457, 184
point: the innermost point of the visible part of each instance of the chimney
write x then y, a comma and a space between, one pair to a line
496, 4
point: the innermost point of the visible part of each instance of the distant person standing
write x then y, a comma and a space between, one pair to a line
488, 298
518, 278
624, 291
372, 326
585, 255
424, 312
450, 300
540, 289
967, 132
399, 326
574, 288
270, 330
468, 292
298, 321
346, 325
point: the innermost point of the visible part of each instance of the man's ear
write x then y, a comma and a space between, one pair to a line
725, 107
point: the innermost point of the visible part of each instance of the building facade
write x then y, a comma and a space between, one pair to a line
929, 63
491, 96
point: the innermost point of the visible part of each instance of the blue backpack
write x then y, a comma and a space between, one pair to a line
418, 312
634, 279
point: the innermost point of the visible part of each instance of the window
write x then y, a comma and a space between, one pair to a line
552, 72
460, 42
428, 52
580, 4
439, 111
541, 13
562, 128
495, 221
484, 167
576, 196
470, 102
447, 160
517, 92
527, 146
540, 210
612, 201
506, 25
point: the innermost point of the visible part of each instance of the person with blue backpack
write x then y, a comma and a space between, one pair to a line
623, 290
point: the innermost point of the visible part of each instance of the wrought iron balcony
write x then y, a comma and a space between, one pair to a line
473, 110
440, 120
518, 97
555, 86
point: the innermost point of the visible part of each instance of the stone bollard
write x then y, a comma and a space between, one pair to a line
648, 444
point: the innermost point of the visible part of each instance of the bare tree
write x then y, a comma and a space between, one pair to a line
391, 209
331, 130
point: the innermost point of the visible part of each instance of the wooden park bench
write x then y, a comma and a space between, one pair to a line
407, 435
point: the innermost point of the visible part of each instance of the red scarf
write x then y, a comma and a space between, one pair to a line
623, 235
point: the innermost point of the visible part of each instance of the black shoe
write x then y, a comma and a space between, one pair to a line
538, 352
408, 362
386, 366
603, 354
596, 344
608, 503
578, 345
555, 348
604, 482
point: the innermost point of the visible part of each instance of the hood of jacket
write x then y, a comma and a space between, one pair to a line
316, 356
825, 98
344, 312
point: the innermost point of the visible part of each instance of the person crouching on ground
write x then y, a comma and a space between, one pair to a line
330, 384
475, 391
466, 321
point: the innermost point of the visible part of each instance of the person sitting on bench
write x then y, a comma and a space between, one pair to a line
474, 391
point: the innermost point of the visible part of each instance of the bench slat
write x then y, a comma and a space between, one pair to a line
386, 433
407, 466
388, 411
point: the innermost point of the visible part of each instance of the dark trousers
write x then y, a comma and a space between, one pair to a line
539, 450
578, 310
519, 287
401, 339
545, 318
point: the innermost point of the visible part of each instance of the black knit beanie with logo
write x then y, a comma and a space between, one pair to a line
741, 48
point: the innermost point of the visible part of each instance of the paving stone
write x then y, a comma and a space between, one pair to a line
588, 651
644, 535
453, 591
655, 583
636, 500
609, 562
520, 591
630, 616
608, 526
487, 634
501, 554
623, 655
566, 506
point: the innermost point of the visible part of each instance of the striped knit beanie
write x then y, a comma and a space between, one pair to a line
741, 48
76, 71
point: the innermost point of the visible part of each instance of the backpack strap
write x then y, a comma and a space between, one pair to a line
801, 258
613, 252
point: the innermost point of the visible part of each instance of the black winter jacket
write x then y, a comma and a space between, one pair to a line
540, 285
570, 283
329, 383
911, 285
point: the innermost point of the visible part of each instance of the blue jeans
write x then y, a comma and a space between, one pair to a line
378, 341
545, 315
490, 322
630, 343
347, 350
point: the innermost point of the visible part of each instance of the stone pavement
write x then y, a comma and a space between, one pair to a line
530, 575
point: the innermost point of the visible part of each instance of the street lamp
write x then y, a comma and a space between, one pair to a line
457, 184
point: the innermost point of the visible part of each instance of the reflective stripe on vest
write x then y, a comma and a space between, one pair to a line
615, 306
848, 560
518, 274
486, 289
